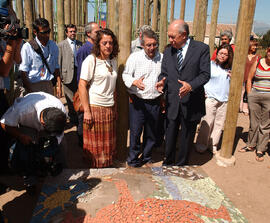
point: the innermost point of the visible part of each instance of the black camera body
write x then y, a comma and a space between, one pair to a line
37, 159
21, 33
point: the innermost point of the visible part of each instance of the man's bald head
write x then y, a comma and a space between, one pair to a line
178, 32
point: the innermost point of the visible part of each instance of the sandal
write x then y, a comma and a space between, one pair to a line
259, 156
246, 149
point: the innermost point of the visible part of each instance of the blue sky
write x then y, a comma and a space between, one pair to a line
228, 10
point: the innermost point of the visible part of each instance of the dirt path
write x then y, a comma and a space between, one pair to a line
247, 184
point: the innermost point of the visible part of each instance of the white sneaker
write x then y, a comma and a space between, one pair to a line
200, 148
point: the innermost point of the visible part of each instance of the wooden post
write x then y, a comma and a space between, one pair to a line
60, 20
201, 23
238, 18
29, 16
67, 11
137, 14
214, 16
147, 15
247, 9
183, 9
72, 12
195, 18
172, 11
48, 7
19, 11
110, 23
141, 12
41, 9
163, 25
82, 12
34, 10
76, 12
86, 13
125, 32
155, 16
116, 17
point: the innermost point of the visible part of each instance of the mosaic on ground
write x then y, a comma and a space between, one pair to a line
158, 194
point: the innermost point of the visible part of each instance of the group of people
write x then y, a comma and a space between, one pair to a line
182, 82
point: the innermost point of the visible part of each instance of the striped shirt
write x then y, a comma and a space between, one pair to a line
140, 65
262, 79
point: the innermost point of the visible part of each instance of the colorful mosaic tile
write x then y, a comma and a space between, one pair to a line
179, 195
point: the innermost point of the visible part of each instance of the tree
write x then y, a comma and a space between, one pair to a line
265, 40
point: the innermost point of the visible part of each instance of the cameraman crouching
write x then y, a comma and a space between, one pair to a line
35, 116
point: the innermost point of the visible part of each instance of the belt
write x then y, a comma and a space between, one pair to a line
133, 97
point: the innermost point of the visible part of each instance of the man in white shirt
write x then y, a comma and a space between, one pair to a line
39, 113
140, 77
68, 67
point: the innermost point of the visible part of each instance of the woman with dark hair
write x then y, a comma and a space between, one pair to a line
217, 93
259, 107
96, 89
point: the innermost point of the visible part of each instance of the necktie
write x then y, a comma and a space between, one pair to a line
73, 47
179, 59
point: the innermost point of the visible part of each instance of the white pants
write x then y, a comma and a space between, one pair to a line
212, 123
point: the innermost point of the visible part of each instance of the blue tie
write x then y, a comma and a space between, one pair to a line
179, 59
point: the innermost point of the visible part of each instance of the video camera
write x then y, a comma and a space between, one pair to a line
8, 16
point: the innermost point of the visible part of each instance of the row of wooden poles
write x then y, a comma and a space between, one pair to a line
120, 19
67, 12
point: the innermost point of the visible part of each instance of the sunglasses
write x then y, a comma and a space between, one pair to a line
45, 32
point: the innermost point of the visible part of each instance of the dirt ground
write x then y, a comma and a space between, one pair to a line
247, 184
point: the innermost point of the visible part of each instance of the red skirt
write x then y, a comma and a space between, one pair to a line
99, 138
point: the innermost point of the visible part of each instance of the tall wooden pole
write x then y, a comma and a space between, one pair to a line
195, 18
238, 18
86, 13
41, 8
137, 14
76, 12
82, 12
183, 9
125, 32
155, 16
214, 16
163, 25
72, 11
48, 7
247, 9
29, 16
141, 12
201, 23
147, 14
110, 23
116, 17
172, 11
67, 11
60, 20
19, 11
34, 9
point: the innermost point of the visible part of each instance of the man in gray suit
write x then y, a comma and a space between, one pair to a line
68, 67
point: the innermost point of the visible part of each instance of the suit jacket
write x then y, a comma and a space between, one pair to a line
196, 71
66, 60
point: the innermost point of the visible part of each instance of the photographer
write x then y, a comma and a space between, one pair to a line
35, 116
9, 53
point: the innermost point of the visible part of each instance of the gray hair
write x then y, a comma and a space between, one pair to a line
184, 28
150, 34
227, 33
89, 27
144, 28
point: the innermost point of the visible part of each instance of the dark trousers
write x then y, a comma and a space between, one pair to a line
187, 133
143, 114
70, 90
5, 139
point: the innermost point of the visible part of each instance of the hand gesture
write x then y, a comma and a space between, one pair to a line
139, 83
160, 85
185, 89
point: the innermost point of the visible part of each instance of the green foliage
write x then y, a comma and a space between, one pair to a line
265, 40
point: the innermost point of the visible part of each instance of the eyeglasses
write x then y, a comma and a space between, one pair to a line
151, 44
45, 32
223, 54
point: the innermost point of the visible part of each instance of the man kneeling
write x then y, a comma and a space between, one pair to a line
37, 123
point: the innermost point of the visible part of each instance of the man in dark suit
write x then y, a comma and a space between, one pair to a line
185, 69
68, 67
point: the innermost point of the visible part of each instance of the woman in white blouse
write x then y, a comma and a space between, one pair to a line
96, 89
